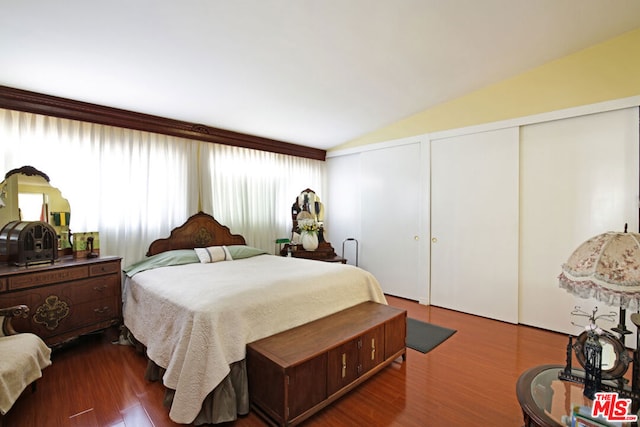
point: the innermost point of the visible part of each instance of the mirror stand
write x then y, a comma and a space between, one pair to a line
307, 213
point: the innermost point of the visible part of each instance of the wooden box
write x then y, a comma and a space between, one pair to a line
296, 373
86, 244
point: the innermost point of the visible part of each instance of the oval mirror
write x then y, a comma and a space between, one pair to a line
615, 359
309, 207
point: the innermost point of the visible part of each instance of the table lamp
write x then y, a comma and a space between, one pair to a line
607, 267
281, 241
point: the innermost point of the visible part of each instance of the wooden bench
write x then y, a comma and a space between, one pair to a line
295, 373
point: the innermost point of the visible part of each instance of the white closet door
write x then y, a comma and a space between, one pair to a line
579, 179
474, 224
391, 211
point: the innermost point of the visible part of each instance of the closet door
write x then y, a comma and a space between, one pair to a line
393, 195
474, 224
342, 204
579, 179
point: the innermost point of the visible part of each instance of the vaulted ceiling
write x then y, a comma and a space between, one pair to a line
311, 72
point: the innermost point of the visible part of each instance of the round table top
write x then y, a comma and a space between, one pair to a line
546, 399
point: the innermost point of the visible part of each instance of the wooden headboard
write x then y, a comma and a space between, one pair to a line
199, 231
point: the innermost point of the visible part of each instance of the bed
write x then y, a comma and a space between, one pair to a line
202, 294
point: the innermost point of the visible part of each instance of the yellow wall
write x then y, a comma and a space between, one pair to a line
606, 71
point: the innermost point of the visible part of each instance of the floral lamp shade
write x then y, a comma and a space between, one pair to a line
607, 268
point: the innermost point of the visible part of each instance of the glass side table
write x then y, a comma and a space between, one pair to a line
547, 401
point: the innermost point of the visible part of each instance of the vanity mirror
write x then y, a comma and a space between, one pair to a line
27, 195
307, 217
307, 207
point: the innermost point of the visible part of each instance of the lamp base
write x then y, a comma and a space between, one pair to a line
622, 327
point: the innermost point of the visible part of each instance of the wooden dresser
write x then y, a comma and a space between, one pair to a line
66, 299
296, 373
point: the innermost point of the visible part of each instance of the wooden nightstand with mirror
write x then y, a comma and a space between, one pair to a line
308, 232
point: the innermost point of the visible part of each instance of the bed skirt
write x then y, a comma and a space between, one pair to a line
228, 400
224, 403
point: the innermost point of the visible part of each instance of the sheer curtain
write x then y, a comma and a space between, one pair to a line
134, 187
252, 191
131, 186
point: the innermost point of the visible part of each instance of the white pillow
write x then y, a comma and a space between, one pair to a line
213, 254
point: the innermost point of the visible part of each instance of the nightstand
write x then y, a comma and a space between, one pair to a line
324, 253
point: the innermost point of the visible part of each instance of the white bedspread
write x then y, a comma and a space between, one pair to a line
196, 319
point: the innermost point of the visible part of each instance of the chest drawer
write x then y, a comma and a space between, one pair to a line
88, 289
73, 293
28, 280
90, 312
112, 267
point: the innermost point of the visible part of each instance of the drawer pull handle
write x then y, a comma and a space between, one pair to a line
373, 349
101, 310
344, 365
100, 288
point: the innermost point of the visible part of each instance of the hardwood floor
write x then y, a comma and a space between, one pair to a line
468, 380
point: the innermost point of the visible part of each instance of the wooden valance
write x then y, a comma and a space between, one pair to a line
32, 102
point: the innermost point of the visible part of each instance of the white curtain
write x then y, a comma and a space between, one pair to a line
252, 191
134, 187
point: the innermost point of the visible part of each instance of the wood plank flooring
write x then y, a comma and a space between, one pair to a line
468, 380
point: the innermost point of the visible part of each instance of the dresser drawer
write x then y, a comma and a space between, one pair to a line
104, 268
3, 285
88, 289
97, 311
29, 280
71, 293
88, 313
53, 314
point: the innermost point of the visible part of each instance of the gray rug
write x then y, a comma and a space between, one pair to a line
425, 337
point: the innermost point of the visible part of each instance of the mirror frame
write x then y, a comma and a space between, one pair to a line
60, 203
621, 363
